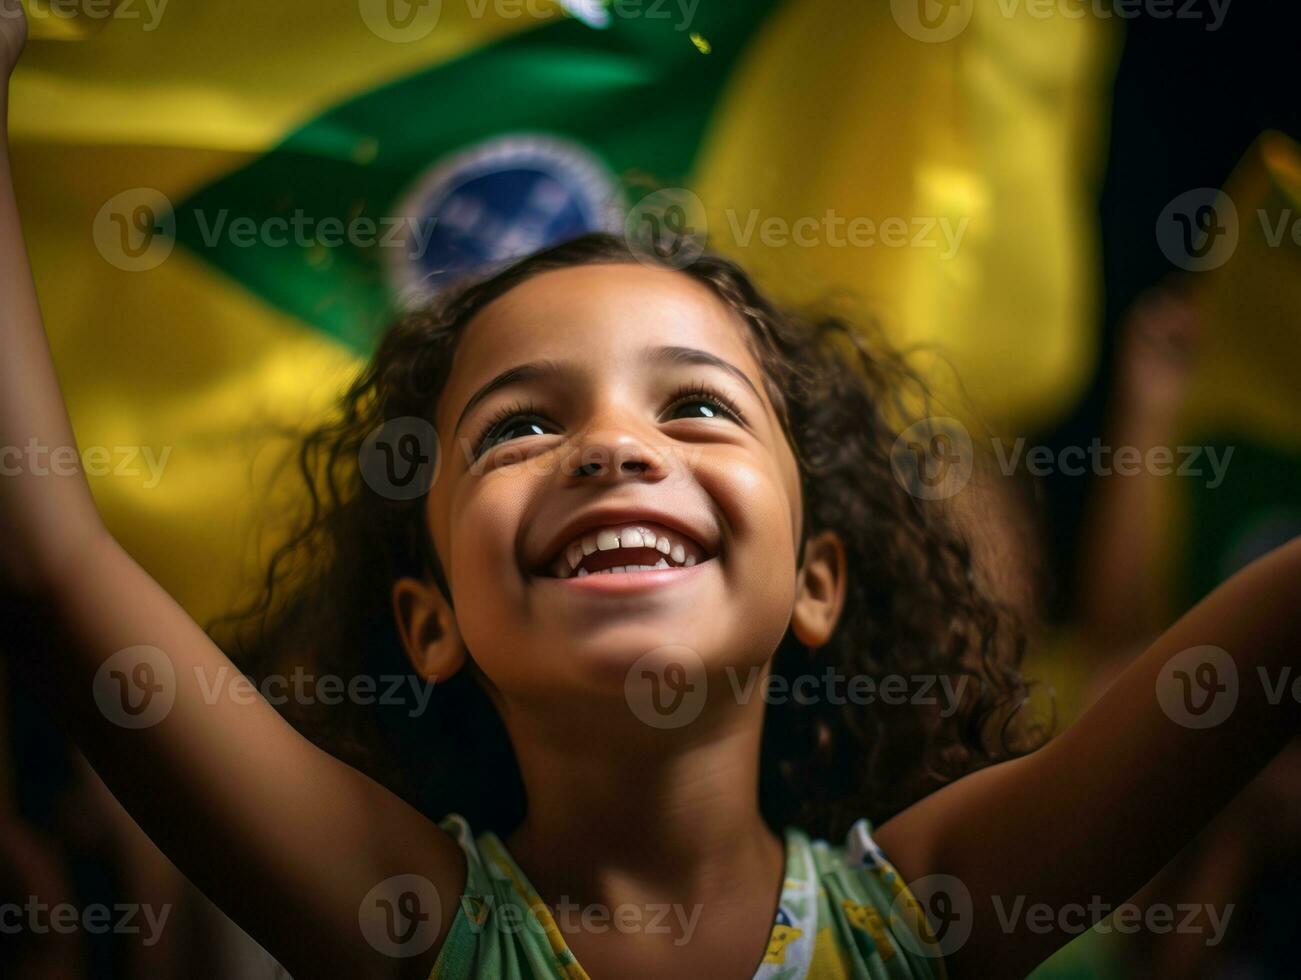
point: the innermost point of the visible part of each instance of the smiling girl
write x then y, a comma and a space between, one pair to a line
652, 487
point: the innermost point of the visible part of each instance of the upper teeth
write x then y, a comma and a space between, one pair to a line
673, 546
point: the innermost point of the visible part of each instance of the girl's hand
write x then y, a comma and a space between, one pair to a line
13, 33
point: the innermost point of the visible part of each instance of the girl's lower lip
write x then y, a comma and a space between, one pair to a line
624, 582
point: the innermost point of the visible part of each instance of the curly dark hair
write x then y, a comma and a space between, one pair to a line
914, 607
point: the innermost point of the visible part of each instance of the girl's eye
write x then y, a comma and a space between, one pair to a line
516, 422
704, 408
515, 429
700, 402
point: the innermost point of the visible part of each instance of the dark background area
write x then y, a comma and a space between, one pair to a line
1187, 104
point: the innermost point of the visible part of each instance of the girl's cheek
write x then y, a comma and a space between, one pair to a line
756, 505
480, 553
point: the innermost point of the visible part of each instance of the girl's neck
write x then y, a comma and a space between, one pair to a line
618, 807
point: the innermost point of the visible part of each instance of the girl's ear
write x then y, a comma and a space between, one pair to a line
428, 629
819, 589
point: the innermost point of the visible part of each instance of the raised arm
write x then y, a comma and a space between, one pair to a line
296, 846
1086, 820
1123, 598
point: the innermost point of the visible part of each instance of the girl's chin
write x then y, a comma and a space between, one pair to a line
613, 656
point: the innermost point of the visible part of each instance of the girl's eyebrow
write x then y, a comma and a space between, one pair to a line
521, 372
692, 355
533, 370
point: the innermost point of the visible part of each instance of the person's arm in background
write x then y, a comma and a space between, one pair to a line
31, 869
294, 843
1122, 589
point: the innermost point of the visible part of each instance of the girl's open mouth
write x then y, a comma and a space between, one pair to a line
639, 548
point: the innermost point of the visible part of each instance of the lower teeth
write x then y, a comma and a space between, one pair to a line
625, 568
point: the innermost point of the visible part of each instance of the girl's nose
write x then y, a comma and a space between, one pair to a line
614, 453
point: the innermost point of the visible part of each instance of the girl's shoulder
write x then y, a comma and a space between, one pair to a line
502, 929
844, 912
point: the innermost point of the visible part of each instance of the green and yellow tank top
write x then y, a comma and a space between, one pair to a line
844, 914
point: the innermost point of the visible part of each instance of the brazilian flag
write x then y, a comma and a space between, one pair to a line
226, 202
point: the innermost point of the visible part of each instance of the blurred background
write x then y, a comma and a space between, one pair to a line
1083, 216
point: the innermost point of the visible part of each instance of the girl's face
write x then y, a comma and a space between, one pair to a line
584, 403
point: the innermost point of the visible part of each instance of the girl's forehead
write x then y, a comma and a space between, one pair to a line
598, 316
